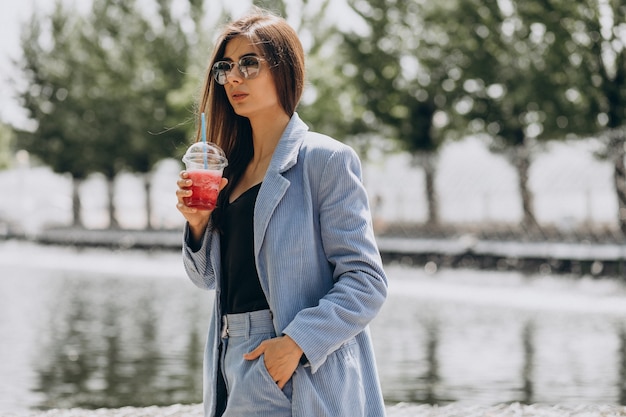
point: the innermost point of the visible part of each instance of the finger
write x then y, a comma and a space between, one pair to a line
184, 174
183, 192
185, 209
254, 354
184, 183
223, 183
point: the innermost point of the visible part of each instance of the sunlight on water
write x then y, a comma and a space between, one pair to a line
489, 337
92, 328
100, 328
513, 290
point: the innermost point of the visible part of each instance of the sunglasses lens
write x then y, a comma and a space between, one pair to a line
249, 66
220, 69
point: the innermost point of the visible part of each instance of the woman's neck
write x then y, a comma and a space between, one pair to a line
266, 133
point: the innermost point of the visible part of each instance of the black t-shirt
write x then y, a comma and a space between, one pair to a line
241, 289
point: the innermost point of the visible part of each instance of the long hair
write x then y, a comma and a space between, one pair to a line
280, 46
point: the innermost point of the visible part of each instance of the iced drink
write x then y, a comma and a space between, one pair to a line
204, 190
205, 163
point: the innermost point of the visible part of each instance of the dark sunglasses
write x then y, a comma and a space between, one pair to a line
248, 66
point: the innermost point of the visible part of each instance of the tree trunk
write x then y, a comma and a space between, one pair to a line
113, 223
522, 165
431, 193
147, 186
619, 178
427, 162
76, 205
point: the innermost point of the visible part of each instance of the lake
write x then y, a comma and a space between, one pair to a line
103, 328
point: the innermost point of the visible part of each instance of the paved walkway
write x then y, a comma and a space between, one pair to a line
580, 251
577, 258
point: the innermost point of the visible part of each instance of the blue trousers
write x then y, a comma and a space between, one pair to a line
247, 389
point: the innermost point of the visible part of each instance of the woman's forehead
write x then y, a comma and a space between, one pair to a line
238, 47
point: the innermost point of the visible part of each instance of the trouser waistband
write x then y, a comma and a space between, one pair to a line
245, 324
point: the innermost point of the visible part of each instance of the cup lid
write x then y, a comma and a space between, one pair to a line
200, 149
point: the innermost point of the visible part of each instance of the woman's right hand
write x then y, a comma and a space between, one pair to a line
197, 219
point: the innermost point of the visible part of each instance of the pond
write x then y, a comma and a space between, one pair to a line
102, 328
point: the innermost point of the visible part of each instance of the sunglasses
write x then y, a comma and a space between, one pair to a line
248, 66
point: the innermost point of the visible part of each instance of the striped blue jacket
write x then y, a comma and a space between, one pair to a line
321, 272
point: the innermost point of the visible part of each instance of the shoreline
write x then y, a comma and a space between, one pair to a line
398, 410
470, 251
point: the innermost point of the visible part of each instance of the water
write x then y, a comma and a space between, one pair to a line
91, 328
96, 328
481, 337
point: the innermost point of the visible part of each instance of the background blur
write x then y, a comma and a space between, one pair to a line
499, 118
500, 122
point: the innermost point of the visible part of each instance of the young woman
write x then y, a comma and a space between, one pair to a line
289, 249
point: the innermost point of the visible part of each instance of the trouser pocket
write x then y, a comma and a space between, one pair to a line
251, 390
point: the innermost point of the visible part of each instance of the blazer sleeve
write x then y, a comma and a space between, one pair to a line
360, 283
198, 264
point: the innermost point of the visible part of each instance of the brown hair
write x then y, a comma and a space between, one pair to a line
280, 46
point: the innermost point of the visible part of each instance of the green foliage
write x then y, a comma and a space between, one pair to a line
536, 70
99, 87
6, 145
593, 36
396, 94
276, 6
499, 81
48, 80
514, 70
326, 103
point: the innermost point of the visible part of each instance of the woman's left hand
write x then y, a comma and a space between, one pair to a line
282, 356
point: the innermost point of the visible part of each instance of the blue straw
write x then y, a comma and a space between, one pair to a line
206, 164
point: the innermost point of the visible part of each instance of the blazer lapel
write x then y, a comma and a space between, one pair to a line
275, 184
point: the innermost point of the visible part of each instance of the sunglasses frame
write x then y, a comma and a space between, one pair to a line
221, 75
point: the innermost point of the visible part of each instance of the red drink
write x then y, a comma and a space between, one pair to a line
205, 188
205, 162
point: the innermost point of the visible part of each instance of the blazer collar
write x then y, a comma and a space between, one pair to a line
275, 184
286, 152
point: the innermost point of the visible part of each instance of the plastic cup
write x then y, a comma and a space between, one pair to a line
205, 163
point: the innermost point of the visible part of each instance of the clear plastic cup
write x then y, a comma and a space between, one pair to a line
205, 163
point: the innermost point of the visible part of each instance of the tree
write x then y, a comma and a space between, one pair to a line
593, 34
496, 90
60, 139
397, 95
546, 70
326, 102
100, 90
6, 145
510, 82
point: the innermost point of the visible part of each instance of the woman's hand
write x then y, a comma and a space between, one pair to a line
282, 356
197, 219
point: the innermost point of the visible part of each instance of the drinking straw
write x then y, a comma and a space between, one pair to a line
206, 163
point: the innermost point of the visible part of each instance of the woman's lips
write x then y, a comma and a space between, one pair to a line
238, 96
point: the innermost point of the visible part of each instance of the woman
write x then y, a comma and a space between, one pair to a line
289, 248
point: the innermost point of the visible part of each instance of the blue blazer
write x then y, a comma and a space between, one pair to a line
320, 269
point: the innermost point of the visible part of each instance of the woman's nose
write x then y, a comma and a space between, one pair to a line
234, 76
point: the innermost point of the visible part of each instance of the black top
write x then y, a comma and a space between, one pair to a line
241, 289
